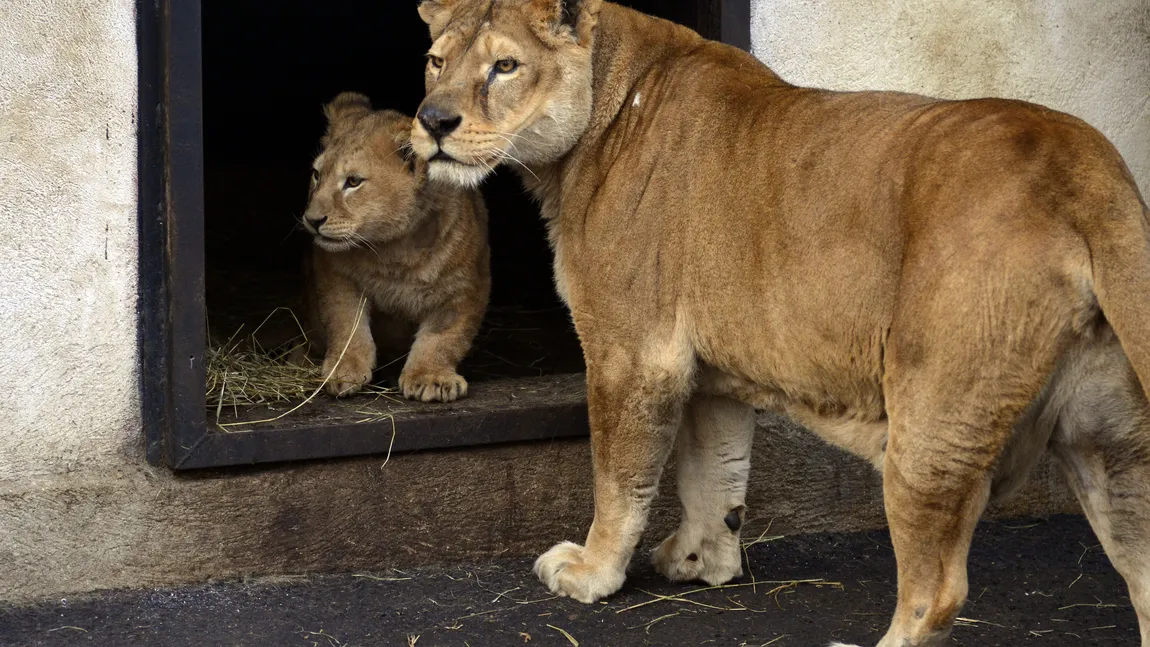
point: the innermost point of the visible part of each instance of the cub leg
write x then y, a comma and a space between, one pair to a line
443, 339
713, 452
1103, 444
634, 404
345, 314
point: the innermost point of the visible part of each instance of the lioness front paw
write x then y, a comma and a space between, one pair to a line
564, 571
685, 556
347, 378
432, 386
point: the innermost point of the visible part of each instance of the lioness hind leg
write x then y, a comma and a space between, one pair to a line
1103, 443
934, 496
936, 483
953, 402
714, 460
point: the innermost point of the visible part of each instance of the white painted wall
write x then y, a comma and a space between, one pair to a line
1090, 58
68, 376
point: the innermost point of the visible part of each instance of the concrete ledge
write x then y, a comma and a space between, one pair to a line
135, 526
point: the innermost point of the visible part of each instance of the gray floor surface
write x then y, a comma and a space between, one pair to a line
1038, 582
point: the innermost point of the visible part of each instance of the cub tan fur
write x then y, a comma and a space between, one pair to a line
946, 288
388, 242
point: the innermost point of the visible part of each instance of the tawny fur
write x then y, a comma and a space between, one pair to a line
395, 247
916, 280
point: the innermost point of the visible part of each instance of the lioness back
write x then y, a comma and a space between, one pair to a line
394, 248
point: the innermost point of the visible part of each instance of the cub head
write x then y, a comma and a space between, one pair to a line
507, 81
365, 183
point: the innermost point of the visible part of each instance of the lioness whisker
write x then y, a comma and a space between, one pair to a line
503, 134
505, 155
506, 139
485, 162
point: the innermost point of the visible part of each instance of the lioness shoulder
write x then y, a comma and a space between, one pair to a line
390, 245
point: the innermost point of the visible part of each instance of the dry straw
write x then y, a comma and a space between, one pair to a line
242, 373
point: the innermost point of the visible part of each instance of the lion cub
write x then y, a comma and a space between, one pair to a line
388, 242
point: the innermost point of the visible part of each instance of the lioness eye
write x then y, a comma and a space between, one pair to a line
435, 61
506, 65
315, 175
352, 181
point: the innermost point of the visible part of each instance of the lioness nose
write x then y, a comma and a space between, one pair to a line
438, 122
316, 223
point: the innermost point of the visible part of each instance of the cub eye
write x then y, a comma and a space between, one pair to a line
352, 181
506, 65
435, 61
315, 175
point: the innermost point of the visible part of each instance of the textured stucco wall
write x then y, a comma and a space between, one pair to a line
68, 377
1090, 58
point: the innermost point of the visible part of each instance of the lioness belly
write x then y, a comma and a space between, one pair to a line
856, 424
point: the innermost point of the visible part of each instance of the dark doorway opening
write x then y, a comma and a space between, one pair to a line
266, 73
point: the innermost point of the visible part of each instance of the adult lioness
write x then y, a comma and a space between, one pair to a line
387, 240
945, 288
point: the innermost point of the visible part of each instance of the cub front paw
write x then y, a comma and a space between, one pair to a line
347, 378
564, 571
432, 386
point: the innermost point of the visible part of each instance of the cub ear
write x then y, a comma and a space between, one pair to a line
346, 106
398, 135
436, 13
400, 130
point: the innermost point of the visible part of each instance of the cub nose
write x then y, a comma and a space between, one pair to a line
315, 222
439, 122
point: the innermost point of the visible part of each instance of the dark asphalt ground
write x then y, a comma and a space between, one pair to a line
1041, 582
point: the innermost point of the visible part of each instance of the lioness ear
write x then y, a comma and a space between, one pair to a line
347, 104
581, 16
436, 13
577, 16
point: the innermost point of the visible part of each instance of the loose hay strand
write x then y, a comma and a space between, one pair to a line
681, 597
566, 635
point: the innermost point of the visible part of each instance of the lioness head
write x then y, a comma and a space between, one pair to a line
364, 183
507, 81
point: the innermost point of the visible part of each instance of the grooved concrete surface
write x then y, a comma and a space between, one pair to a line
1041, 582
